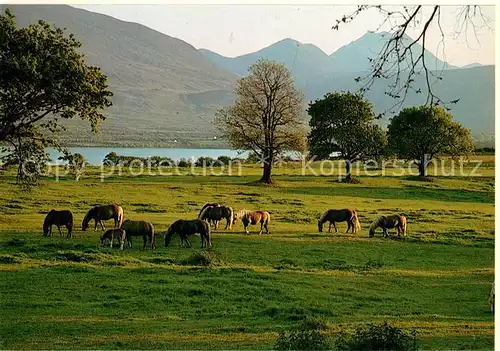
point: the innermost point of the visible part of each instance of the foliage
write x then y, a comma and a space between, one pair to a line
112, 159
305, 336
265, 118
76, 163
205, 161
204, 258
378, 337
44, 78
184, 163
225, 160
343, 122
421, 133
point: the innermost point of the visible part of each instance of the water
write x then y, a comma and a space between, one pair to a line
95, 155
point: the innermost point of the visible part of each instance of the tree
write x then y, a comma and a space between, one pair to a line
76, 163
398, 61
43, 78
343, 122
420, 133
265, 118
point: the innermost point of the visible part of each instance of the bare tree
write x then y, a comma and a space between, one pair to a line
399, 61
265, 118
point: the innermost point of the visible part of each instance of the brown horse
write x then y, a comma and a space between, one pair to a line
216, 214
102, 213
184, 228
139, 228
389, 222
345, 215
58, 218
253, 217
110, 234
210, 205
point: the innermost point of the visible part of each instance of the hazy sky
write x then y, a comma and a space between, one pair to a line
233, 30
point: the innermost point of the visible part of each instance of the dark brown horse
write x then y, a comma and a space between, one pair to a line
389, 222
253, 217
209, 204
139, 228
111, 234
184, 228
345, 215
102, 213
58, 218
215, 214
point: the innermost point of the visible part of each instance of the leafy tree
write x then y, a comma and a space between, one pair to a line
225, 160
420, 133
111, 159
43, 78
265, 118
76, 163
343, 122
399, 61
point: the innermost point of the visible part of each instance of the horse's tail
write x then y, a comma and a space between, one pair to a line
403, 224
231, 217
268, 218
119, 216
355, 222
207, 234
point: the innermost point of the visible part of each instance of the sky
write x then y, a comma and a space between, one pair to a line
233, 30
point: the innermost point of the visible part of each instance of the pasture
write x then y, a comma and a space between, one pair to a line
61, 293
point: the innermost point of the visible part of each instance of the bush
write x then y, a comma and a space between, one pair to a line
306, 336
378, 337
204, 258
184, 163
225, 160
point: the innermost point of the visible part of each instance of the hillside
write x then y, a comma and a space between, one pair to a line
155, 78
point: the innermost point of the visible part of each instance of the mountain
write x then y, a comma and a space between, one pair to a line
472, 65
160, 83
301, 59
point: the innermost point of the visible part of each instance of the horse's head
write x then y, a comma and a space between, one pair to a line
85, 225
168, 237
371, 232
45, 229
320, 226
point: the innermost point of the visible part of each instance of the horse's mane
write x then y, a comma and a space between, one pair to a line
89, 213
376, 223
207, 205
204, 211
322, 218
240, 213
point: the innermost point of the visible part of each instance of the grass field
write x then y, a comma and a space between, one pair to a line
59, 293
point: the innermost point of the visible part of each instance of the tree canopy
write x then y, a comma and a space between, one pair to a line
266, 115
421, 133
344, 122
43, 78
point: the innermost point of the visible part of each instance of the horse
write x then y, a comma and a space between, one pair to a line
58, 218
209, 204
101, 213
139, 228
253, 217
346, 215
216, 214
187, 227
110, 234
389, 222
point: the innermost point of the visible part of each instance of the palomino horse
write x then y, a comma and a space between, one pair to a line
389, 222
58, 218
216, 214
110, 234
184, 228
102, 213
253, 217
139, 228
345, 215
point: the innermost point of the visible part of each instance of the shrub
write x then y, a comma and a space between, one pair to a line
378, 337
225, 160
306, 336
204, 258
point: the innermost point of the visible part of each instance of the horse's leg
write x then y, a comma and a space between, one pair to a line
261, 227
334, 227
50, 231
59, 228
267, 229
386, 234
330, 227
145, 238
188, 241
111, 244
70, 230
95, 226
102, 225
348, 226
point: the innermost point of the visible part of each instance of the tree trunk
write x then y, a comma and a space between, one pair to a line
268, 165
347, 170
422, 166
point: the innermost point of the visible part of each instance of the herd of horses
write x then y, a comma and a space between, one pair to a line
210, 214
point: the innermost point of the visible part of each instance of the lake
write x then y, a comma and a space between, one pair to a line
95, 155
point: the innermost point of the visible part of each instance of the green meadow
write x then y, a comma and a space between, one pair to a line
60, 293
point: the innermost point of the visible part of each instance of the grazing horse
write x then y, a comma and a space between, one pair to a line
187, 227
253, 217
110, 234
345, 215
139, 228
216, 214
389, 222
102, 213
210, 205
58, 218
